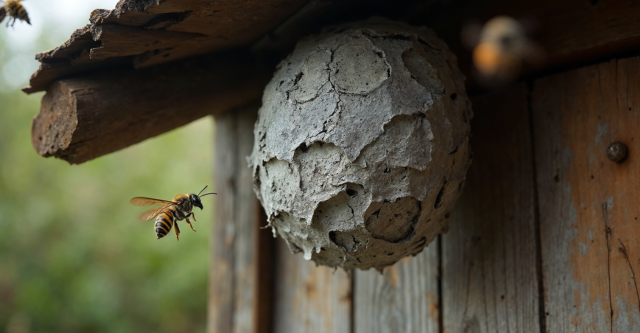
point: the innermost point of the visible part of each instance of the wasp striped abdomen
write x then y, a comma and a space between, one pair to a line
16, 11
164, 222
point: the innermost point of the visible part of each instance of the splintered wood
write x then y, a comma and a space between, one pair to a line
589, 206
144, 33
87, 117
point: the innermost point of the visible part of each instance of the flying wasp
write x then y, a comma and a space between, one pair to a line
15, 10
170, 212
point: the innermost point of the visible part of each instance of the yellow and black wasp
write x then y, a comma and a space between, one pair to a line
180, 208
15, 10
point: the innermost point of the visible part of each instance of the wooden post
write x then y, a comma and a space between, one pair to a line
310, 298
589, 206
240, 283
490, 257
403, 299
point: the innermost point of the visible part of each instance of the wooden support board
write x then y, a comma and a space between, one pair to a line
403, 299
310, 298
237, 289
490, 275
589, 206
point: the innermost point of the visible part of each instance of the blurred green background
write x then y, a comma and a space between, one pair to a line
73, 257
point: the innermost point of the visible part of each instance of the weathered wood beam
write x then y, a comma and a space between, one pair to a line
310, 298
240, 280
490, 256
588, 204
87, 117
405, 298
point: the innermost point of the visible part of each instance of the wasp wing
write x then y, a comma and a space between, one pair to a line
3, 13
152, 213
143, 201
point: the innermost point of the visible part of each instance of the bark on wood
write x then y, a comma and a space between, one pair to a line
310, 298
588, 204
235, 278
403, 299
490, 275
145, 33
84, 118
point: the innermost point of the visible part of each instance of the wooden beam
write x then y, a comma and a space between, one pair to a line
589, 209
144, 33
310, 298
490, 274
239, 285
87, 117
403, 299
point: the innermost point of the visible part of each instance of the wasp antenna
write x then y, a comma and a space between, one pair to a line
206, 194
203, 190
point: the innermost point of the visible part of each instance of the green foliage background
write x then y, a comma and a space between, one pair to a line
73, 257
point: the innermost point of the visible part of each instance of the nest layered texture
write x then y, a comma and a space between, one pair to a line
362, 144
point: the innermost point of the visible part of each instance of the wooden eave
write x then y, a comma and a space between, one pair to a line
165, 46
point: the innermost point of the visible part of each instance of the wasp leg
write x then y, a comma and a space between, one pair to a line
177, 230
189, 222
194, 218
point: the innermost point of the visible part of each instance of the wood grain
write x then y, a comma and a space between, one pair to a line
403, 299
145, 33
263, 301
235, 275
309, 298
489, 267
84, 118
589, 206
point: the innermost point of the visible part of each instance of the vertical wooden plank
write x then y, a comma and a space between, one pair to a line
489, 259
403, 299
589, 206
233, 281
265, 252
310, 298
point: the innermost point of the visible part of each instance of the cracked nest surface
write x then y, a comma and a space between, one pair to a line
362, 144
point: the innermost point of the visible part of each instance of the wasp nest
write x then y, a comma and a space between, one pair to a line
362, 144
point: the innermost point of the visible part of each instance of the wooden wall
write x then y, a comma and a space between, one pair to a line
545, 238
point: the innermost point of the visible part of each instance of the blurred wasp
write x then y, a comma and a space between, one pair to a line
170, 212
15, 10
501, 46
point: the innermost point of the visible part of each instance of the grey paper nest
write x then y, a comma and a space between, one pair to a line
362, 144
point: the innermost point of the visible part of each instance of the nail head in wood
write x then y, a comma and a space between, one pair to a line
617, 151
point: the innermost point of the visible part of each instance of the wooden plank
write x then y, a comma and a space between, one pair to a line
84, 118
589, 206
489, 266
403, 299
310, 298
234, 276
263, 301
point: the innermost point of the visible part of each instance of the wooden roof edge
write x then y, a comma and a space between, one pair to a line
86, 117
148, 33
